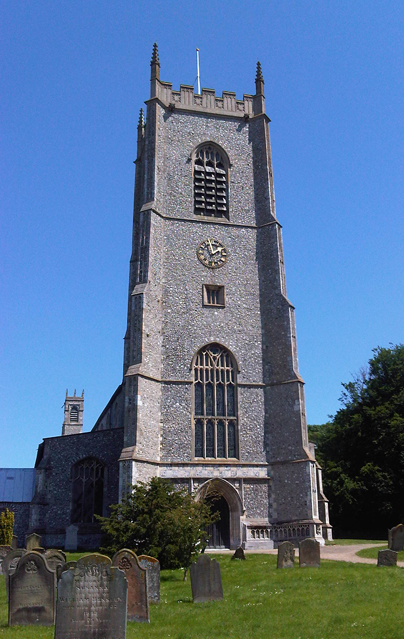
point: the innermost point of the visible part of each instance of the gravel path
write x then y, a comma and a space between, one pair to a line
348, 553
337, 553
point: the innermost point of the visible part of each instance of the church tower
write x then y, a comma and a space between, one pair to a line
213, 394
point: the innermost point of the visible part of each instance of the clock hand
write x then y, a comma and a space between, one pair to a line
213, 251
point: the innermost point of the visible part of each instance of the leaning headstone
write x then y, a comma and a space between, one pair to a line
14, 542
138, 605
55, 558
32, 592
32, 541
309, 553
152, 566
10, 563
92, 600
239, 554
286, 555
396, 538
206, 581
387, 558
71, 537
4, 550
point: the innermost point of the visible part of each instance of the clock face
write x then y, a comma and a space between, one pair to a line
212, 253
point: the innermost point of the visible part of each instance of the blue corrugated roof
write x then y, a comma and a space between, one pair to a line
17, 484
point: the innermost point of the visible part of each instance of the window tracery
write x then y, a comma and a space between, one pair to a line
211, 182
215, 403
87, 490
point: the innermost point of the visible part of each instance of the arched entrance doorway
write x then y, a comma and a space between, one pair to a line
226, 499
219, 531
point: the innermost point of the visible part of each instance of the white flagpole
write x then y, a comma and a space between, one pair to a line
198, 77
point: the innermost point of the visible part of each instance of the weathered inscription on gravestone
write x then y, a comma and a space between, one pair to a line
138, 604
32, 541
4, 550
387, 558
206, 581
71, 537
92, 599
396, 538
286, 555
10, 563
239, 554
32, 591
309, 553
152, 566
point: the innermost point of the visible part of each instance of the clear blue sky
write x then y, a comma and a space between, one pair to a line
74, 75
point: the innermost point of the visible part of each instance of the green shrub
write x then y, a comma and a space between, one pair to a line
6, 527
159, 520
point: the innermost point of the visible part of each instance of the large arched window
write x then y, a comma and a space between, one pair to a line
215, 403
211, 192
87, 490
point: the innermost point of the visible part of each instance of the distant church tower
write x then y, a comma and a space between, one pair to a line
73, 414
213, 394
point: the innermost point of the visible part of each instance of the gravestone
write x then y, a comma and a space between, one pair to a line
32, 541
396, 538
38, 549
71, 537
66, 566
206, 581
138, 604
10, 563
286, 555
309, 553
92, 599
14, 542
32, 592
387, 558
55, 558
4, 550
239, 554
12, 558
152, 566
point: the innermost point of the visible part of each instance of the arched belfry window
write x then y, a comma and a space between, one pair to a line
215, 403
211, 188
87, 490
74, 414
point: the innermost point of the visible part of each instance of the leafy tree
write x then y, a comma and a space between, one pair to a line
6, 527
361, 449
159, 520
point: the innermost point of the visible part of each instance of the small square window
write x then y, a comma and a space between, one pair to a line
213, 295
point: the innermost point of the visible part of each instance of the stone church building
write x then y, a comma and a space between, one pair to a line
211, 396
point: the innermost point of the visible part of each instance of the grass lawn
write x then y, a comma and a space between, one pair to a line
351, 542
372, 553
337, 601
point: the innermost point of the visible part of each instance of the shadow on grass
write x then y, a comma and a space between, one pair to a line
171, 577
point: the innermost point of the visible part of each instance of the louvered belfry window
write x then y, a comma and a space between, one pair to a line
215, 403
210, 182
74, 414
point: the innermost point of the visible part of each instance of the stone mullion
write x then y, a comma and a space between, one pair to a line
214, 411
